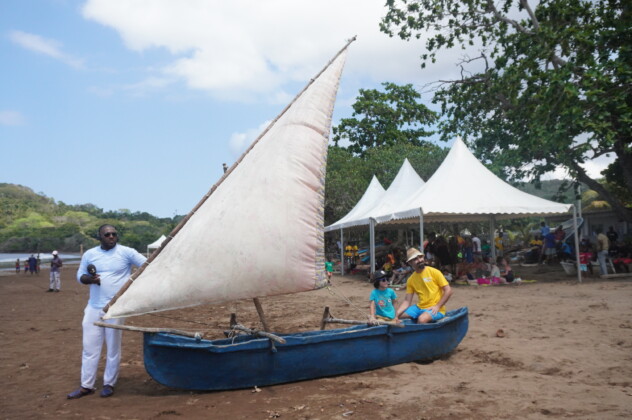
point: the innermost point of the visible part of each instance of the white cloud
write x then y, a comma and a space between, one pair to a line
239, 142
11, 118
249, 49
149, 84
48, 47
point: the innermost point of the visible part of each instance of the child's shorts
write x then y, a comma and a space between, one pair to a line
414, 312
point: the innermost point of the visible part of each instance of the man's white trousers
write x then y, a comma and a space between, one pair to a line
93, 338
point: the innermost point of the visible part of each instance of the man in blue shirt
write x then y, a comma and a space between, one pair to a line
105, 269
544, 229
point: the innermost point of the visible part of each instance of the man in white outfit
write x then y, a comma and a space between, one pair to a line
113, 264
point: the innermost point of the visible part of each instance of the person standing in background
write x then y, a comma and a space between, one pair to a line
477, 250
55, 273
17, 266
544, 229
613, 236
32, 264
603, 244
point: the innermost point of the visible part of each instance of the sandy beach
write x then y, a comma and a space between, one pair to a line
547, 348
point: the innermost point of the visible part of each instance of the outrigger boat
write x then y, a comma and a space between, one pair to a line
273, 194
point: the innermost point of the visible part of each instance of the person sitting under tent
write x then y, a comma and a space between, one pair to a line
505, 269
622, 260
585, 256
564, 252
533, 255
400, 274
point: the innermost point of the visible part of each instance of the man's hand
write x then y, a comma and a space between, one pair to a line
88, 279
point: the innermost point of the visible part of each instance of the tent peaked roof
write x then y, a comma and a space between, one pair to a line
157, 242
462, 188
406, 181
370, 198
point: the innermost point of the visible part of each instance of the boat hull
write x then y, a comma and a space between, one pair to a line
244, 362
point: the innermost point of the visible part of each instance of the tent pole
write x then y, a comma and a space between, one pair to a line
492, 228
342, 252
421, 230
372, 243
579, 271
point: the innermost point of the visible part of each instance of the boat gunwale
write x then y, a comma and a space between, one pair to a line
303, 338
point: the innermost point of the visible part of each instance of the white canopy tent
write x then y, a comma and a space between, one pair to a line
156, 244
406, 181
463, 189
373, 194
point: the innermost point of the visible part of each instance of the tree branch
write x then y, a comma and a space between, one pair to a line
527, 7
492, 8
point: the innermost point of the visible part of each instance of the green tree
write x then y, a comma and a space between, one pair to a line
385, 118
346, 180
551, 85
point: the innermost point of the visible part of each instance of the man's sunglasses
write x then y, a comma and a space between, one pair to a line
108, 234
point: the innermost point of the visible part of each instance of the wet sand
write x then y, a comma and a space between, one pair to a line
565, 351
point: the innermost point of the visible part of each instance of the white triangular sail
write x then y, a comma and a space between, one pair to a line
260, 232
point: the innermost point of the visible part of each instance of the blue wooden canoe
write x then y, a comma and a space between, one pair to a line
243, 362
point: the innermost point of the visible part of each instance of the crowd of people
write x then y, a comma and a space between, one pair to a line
607, 251
457, 257
469, 257
31, 265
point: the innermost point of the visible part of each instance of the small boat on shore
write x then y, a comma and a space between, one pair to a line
246, 361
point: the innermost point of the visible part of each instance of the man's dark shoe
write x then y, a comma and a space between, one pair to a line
107, 391
79, 392
49, 290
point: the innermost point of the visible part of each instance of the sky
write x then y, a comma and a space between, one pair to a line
137, 104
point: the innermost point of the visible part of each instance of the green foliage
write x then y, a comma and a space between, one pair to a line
385, 119
31, 222
551, 86
346, 180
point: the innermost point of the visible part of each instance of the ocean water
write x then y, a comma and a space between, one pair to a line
7, 260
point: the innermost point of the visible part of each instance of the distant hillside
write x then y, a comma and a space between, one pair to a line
31, 222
